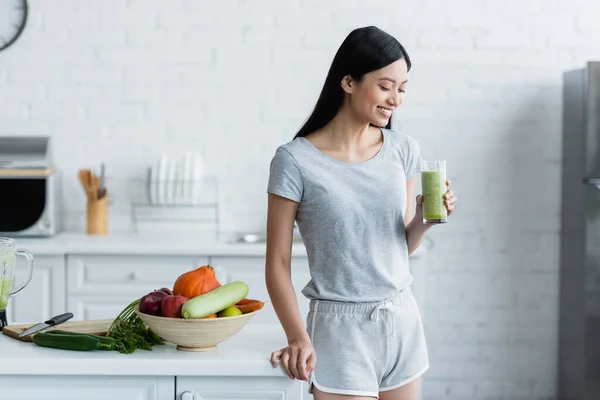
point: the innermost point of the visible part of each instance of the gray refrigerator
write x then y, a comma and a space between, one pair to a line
579, 312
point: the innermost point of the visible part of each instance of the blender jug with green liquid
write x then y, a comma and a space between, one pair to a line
8, 258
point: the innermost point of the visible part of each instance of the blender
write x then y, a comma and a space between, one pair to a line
8, 258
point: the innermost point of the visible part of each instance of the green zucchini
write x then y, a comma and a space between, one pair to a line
110, 342
69, 342
214, 301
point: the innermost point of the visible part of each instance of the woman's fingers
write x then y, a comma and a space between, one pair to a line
275, 356
449, 200
449, 197
310, 363
285, 358
293, 363
304, 354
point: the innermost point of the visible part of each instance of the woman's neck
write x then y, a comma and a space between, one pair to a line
345, 132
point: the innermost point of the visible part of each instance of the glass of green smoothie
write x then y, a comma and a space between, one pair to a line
433, 183
8, 257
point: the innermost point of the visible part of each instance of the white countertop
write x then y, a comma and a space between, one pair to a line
155, 244
245, 354
146, 244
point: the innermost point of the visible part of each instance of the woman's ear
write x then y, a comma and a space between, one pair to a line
347, 84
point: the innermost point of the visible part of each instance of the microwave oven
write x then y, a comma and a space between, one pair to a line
30, 188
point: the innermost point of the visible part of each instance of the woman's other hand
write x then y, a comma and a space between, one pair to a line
298, 359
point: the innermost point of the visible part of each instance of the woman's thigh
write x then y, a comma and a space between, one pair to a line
410, 391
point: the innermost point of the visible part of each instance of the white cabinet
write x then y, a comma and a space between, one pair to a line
44, 297
150, 388
97, 307
252, 271
236, 388
120, 275
86, 388
100, 286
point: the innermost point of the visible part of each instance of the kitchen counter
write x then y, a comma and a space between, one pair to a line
147, 244
156, 244
245, 354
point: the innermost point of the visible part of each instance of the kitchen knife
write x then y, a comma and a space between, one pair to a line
59, 319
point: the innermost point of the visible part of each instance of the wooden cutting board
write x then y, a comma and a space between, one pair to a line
96, 327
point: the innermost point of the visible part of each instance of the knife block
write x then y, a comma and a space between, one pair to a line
97, 216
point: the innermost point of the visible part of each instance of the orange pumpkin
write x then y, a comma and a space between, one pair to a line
194, 283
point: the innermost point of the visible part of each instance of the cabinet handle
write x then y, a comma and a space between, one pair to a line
188, 396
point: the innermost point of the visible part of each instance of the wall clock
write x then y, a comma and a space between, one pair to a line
13, 16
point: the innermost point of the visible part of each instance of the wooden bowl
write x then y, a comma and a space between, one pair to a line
196, 334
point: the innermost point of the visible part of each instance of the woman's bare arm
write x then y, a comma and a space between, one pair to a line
280, 224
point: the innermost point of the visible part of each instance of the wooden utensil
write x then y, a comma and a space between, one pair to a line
95, 327
93, 185
85, 177
97, 201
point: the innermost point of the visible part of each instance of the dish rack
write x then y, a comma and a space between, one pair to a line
175, 205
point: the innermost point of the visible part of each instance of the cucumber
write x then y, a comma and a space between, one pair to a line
68, 342
108, 341
214, 301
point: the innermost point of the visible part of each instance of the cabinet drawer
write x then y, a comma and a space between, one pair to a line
87, 387
106, 275
251, 270
95, 307
221, 388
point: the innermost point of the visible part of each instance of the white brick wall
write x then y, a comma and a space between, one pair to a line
122, 81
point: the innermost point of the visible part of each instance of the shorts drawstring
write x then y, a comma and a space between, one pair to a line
390, 307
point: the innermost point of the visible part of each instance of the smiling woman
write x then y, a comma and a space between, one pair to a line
348, 180
13, 17
365, 50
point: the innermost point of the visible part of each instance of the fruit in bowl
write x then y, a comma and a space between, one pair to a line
171, 305
206, 320
152, 302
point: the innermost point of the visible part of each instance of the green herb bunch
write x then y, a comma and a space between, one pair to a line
131, 332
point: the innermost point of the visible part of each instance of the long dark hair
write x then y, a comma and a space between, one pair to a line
364, 50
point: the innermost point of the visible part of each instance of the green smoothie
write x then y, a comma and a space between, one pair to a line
434, 187
5, 287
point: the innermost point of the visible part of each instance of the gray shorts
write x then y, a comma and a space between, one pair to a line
366, 348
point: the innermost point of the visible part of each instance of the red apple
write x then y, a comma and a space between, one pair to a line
166, 290
171, 306
151, 303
